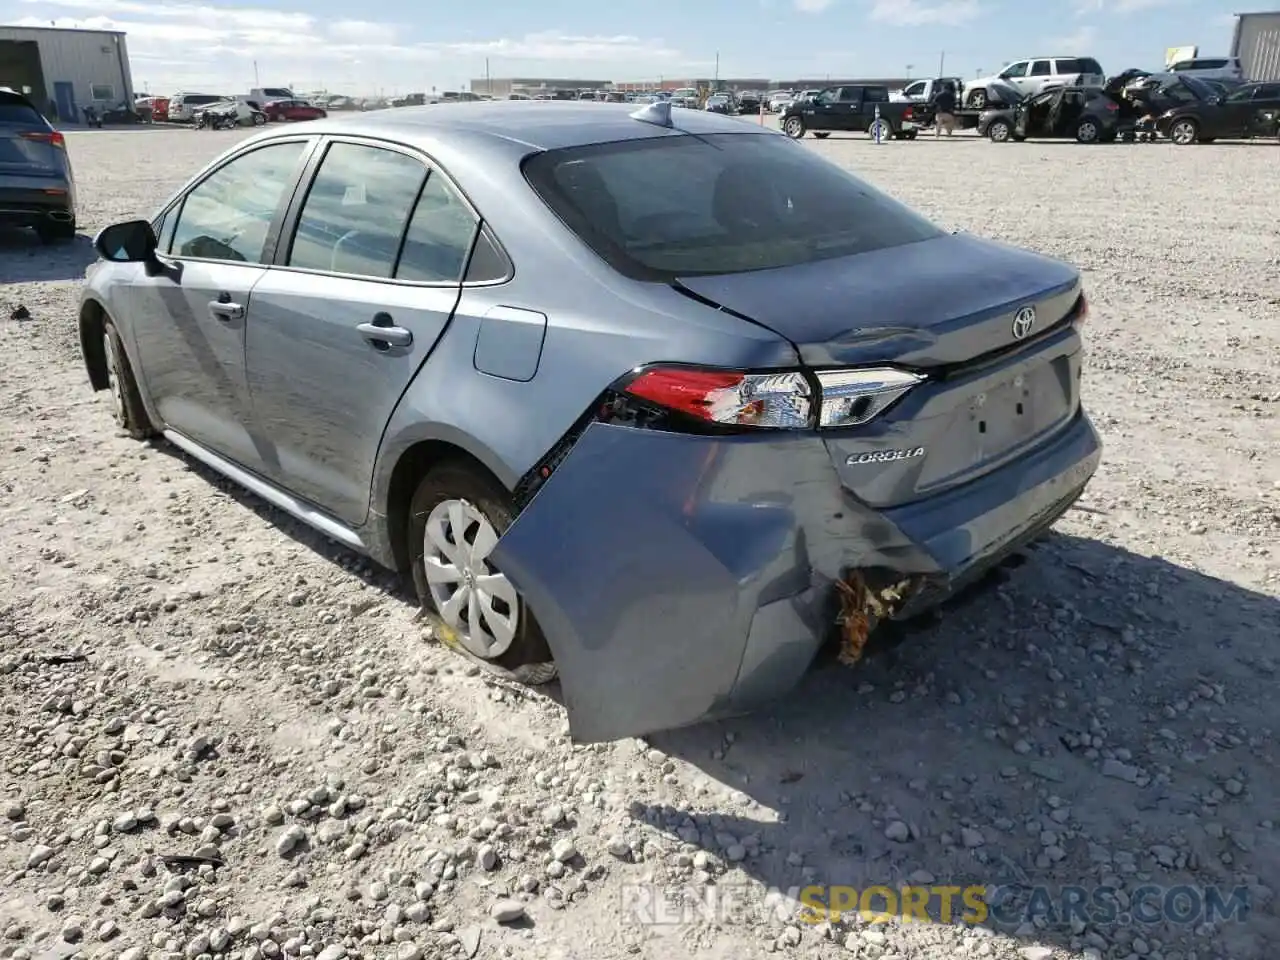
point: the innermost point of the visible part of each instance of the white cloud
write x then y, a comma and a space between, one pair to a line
1086, 7
1077, 42
915, 13
177, 44
812, 6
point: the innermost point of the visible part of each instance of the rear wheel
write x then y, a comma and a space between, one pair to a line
999, 131
1184, 132
978, 99
1088, 131
880, 129
455, 519
793, 127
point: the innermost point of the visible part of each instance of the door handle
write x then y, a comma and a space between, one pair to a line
384, 333
226, 309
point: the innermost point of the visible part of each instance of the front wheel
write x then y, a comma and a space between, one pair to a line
259, 119
1184, 132
127, 408
455, 519
793, 127
999, 132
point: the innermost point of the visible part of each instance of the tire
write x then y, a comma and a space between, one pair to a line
56, 232
127, 408
999, 131
886, 129
1088, 131
978, 99
793, 127
454, 503
822, 134
259, 119
1184, 132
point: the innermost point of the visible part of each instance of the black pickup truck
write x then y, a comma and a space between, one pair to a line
852, 109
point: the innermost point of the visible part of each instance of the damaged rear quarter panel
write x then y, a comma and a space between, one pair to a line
646, 556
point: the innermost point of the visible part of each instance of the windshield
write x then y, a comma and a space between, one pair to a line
1199, 88
684, 206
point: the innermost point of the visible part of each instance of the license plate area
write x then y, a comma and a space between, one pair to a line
1003, 417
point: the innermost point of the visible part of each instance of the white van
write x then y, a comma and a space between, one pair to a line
1210, 68
182, 106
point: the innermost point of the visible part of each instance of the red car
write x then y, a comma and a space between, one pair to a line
283, 110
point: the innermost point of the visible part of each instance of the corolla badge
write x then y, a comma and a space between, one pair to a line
1023, 321
883, 456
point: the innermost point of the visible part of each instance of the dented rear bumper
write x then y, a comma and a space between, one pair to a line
682, 578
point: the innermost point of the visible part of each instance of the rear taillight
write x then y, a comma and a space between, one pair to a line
728, 397
773, 400
851, 398
907, 114
51, 137
1081, 311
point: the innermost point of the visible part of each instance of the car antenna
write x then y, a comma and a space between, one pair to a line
658, 113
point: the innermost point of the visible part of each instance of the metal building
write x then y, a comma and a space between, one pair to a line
63, 71
1257, 44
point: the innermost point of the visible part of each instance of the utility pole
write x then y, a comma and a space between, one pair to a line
488, 84
717, 77
909, 68
942, 62
256, 81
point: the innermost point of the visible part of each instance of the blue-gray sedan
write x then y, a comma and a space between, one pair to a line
652, 397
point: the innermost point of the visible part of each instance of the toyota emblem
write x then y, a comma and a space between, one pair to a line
1023, 321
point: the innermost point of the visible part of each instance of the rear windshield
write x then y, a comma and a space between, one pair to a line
682, 206
199, 98
1201, 89
15, 111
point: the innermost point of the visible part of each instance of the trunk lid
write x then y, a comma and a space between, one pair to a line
946, 308
26, 140
934, 303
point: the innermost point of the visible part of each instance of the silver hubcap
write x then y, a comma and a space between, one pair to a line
1088, 131
477, 602
113, 378
793, 128
879, 129
999, 132
1183, 133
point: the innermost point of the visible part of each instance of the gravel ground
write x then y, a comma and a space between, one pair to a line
184, 671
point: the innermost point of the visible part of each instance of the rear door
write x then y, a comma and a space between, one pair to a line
352, 307
1266, 109
1235, 117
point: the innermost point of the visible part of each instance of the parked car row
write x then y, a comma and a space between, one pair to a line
1178, 106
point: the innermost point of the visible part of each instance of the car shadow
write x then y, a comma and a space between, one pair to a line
1083, 725
24, 259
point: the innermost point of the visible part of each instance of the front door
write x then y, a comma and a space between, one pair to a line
64, 95
189, 319
1265, 110
823, 112
354, 306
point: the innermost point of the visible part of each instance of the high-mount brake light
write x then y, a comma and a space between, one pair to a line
729, 397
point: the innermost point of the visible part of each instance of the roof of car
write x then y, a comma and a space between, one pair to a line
540, 124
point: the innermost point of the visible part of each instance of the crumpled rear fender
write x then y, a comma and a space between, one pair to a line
680, 578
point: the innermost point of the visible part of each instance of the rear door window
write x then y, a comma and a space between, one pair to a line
667, 207
354, 217
1040, 68
440, 236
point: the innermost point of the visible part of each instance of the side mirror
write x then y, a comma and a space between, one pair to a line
132, 241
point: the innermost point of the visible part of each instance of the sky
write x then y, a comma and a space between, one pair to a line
401, 46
